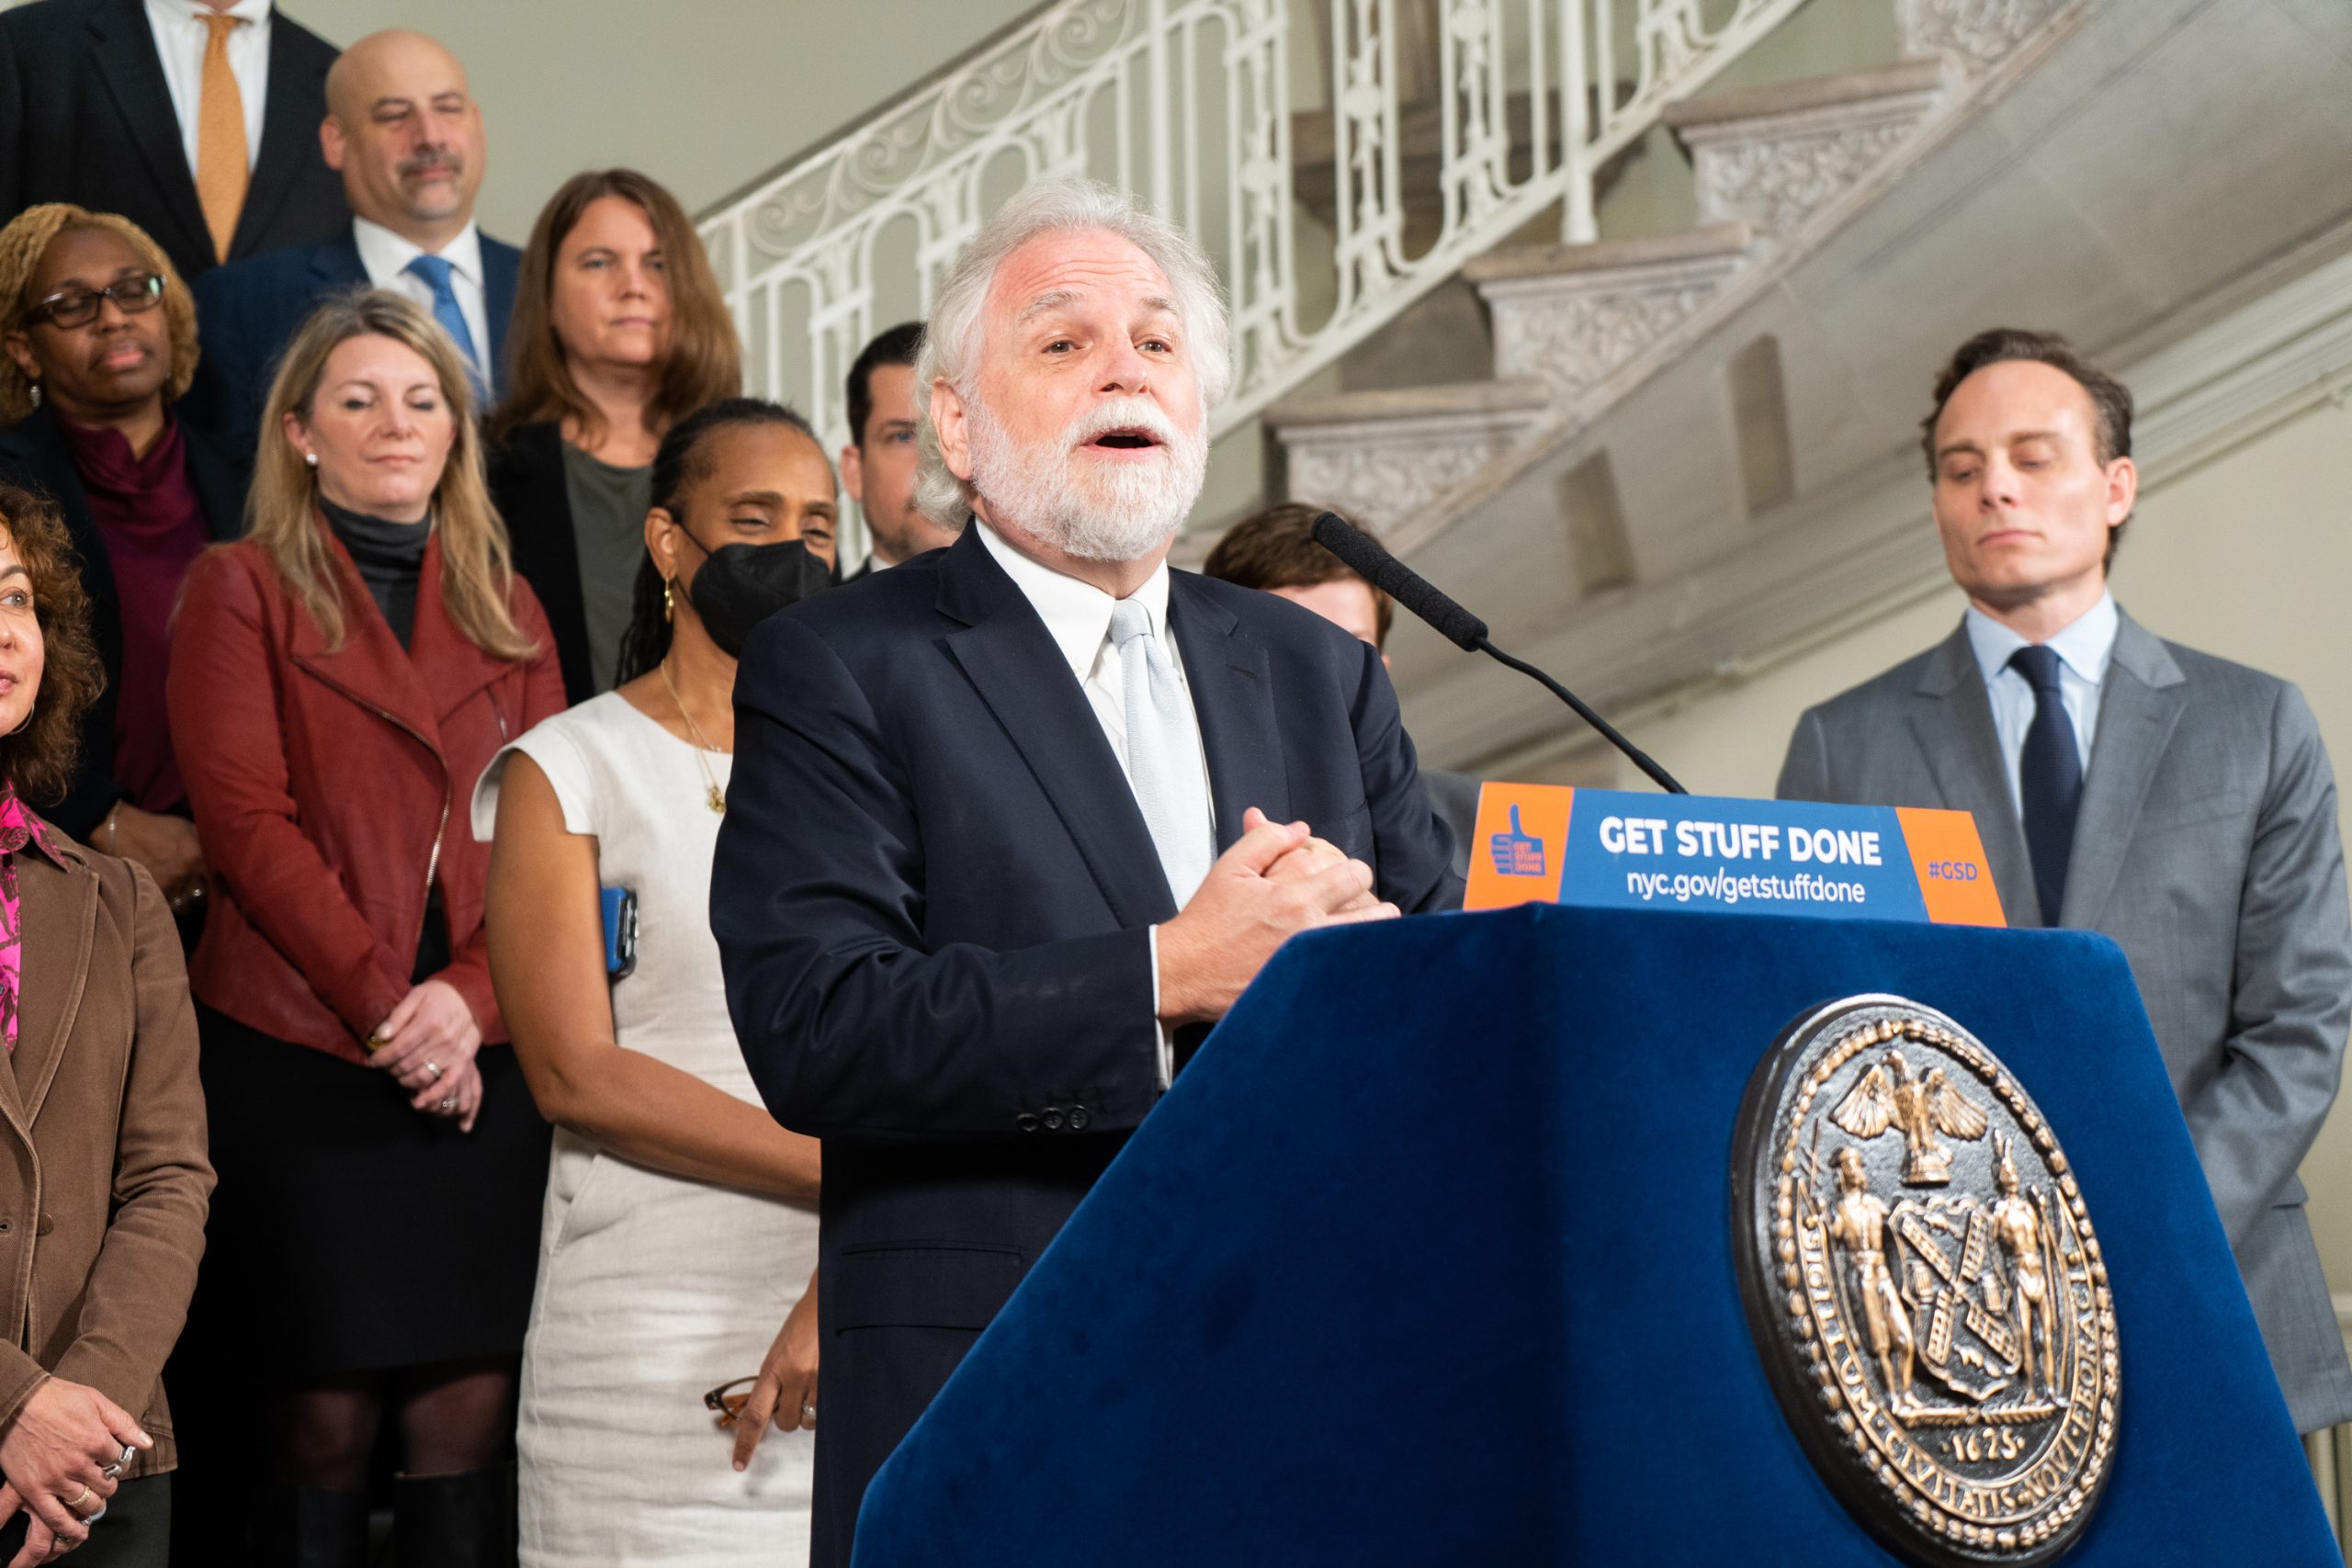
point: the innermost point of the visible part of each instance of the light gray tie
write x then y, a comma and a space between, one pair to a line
1164, 764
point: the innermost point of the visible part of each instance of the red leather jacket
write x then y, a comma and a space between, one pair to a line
331, 789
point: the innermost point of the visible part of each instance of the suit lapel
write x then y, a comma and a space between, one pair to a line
56, 911
219, 481
336, 262
2139, 706
450, 667
501, 270
125, 52
287, 144
1233, 698
1010, 658
1952, 721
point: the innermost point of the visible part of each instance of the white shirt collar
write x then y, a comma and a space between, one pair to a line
385, 255
252, 13
2084, 647
1076, 614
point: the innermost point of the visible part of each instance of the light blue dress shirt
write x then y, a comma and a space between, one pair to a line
2083, 650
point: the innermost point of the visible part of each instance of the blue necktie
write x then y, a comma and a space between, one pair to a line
435, 271
2049, 780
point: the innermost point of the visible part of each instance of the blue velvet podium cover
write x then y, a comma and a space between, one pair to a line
1427, 1259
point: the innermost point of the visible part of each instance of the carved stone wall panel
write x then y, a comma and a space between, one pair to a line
1385, 478
1979, 33
1577, 329
1776, 185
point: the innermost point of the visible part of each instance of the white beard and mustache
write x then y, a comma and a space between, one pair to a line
1121, 511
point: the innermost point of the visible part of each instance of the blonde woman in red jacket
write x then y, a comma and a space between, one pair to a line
341, 678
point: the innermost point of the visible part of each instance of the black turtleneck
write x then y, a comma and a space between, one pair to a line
389, 556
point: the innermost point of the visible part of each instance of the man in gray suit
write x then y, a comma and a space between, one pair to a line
2180, 804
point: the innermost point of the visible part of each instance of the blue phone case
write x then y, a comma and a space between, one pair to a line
620, 932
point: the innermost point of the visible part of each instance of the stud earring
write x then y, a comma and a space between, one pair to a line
311, 458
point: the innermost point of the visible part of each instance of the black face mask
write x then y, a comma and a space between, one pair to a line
741, 585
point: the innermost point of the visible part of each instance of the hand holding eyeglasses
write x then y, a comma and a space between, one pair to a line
783, 1394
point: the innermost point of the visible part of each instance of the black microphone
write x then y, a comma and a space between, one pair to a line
1364, 556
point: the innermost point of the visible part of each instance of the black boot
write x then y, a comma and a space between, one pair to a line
455, 1522
310, 1526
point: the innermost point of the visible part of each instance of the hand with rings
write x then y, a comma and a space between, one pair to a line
785, 1390
427, 1044
62, 1457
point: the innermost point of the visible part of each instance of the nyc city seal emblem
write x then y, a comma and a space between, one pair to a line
1924, 1285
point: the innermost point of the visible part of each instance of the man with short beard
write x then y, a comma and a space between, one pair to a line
1011, 823
403, 130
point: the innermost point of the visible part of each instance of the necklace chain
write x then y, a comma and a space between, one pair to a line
716, 797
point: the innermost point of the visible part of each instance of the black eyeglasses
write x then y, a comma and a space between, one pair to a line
79, 306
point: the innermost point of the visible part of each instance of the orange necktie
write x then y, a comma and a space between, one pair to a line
221, 174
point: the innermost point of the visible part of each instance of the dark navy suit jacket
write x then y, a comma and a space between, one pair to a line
247, 311
932, 896
87, 117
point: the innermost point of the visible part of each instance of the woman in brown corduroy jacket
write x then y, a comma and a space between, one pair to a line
103, 1174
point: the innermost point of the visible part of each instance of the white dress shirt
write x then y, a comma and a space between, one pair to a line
386, 257
2083, 650
180, 38
1078, 617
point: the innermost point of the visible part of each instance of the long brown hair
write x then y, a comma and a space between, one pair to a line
705, 361
281, 511
27, 240
38, 759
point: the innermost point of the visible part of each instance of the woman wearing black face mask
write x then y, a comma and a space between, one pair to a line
681, 1219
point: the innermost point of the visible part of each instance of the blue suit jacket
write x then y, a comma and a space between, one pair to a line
931, 896
247, 311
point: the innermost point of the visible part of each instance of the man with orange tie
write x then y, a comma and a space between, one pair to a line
197, 119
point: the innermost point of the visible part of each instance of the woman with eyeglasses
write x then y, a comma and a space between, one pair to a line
340, 679
681, 1220
100, 340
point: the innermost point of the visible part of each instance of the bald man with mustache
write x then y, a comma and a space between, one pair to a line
404, 132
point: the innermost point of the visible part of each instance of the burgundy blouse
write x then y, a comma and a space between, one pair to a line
147, 512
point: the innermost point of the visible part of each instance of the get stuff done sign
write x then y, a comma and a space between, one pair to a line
1544, 843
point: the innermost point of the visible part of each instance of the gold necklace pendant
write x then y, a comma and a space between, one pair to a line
713, 797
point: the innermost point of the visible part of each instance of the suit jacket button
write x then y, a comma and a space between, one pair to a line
1026, 1121
1077, 1119
46, 1225
1052, 1118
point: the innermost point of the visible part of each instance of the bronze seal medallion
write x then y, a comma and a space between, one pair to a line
1924, 1288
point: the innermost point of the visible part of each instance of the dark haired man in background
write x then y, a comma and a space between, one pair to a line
2180, 804
1274, 550
878, 464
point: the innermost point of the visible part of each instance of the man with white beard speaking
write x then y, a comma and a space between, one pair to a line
1010, 823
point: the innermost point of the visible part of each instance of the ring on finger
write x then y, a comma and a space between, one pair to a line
448, 1103
809, 1413
431, 1069
74, 1504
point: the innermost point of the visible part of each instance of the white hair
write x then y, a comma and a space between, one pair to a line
951, 339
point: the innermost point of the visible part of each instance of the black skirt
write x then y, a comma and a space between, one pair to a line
351, 1232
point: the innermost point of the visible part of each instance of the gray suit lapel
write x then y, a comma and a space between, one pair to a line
1952, 721
2139, 704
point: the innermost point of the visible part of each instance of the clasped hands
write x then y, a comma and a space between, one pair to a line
62, 1456
428, 1045
1277, 879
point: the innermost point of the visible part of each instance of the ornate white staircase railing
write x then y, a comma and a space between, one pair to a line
1190, 103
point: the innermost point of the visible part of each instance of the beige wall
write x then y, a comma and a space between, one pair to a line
702, 94
2247, 557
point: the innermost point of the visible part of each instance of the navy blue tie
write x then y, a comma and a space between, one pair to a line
2049, 780
434, 271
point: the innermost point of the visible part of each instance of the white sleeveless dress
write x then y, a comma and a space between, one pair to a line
652, 1288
